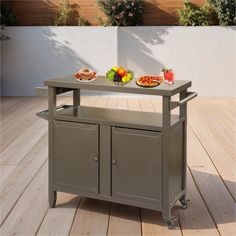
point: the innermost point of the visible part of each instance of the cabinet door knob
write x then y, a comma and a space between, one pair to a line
95, 159
114, 162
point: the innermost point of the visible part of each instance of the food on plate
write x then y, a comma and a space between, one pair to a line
85, 74
149, 81
119, 75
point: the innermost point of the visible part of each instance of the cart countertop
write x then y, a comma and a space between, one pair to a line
102, 84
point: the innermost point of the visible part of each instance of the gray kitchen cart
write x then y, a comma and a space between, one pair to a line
128, 157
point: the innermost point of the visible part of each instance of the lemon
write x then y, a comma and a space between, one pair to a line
129, 75
128, 79
124, 79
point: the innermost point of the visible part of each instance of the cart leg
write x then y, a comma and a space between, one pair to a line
166, 117
183, 114
52, 198
52, 101
166, 214
76, 97
168, 219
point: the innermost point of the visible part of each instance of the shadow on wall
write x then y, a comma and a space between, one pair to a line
134, 51
60, 56
42, 55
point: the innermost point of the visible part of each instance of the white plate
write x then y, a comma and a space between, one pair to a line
85, 81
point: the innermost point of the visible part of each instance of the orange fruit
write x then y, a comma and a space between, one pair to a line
121, 72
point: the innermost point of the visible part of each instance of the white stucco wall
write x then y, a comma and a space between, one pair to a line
34, 54
205, 55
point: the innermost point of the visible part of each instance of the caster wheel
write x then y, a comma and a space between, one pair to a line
52, 204
170, 224
184, 203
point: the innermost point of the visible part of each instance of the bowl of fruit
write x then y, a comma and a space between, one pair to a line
119, 76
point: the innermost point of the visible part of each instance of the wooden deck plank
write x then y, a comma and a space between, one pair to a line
90, 101
91, 218
157, 104
112, 102
213, 191
25, 120
195, 220
30, 209
219, 107
124, 220
8, 102
152, 224
101, 101
18, 149
122, 103
21, 176
225, 135
58, 220
83, 99
224, 111
5, 171
228, 103
133, 104
11, 115
223, 161
146, 105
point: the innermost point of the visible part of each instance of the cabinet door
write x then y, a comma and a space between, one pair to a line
137, 165
75, 160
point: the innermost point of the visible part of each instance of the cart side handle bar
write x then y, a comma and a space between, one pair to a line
44, 114
190, 96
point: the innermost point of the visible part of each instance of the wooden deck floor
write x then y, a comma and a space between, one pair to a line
211, 183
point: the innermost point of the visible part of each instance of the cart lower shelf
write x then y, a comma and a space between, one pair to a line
117, 117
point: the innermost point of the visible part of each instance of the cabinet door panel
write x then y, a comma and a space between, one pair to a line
137, 165
76, 156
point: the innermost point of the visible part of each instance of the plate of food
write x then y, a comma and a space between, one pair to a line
149, 81
85, 75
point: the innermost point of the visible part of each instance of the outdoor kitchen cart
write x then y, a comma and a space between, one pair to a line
129, 157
